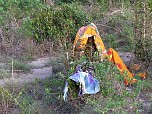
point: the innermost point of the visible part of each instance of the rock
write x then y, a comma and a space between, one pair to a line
127, 57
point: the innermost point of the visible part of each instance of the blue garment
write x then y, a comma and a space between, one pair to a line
88, 84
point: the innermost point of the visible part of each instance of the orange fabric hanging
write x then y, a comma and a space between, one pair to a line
91, 30
82, 37
115, 58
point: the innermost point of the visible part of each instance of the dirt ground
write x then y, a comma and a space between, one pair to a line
39, 71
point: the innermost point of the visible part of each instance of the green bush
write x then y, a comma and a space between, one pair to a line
58, 23
143, 42
17, 9
113, 93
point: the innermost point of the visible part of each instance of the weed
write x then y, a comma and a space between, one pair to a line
4, 74
18, 65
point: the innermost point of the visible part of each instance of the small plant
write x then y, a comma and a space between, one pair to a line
8, 99
18, 65
4, 74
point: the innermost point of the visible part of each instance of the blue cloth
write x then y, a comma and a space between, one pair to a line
88, 84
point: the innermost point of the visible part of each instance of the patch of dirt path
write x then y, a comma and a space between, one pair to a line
39, 71
42, 69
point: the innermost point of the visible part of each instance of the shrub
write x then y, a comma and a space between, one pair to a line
113, 96
17, 9
143, 43
58, 24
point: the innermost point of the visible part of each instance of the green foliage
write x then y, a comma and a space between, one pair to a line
143, 42
4, 67
8, 97
4, 74
113, 91
103, 5
59, 23
17, 9
109, 75
115, 96
53, 88
150, 5
119, 31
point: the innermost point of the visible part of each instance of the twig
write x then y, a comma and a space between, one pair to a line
116, 11
12, 70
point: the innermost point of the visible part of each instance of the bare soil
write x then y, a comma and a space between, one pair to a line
40, 71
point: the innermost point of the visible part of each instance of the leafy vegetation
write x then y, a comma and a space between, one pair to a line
58, 24
143, 43
113, 92
27, 25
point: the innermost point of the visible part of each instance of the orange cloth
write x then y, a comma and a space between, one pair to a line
91, 30
115, 58
82, 38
